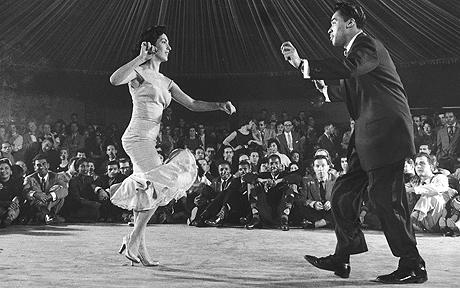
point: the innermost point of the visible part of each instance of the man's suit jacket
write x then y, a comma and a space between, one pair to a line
325, 142
283, 143
56, 183
448, 148
376, 100
310, 191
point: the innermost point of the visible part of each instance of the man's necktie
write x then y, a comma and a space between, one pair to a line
322, 191
42, 184
450, 131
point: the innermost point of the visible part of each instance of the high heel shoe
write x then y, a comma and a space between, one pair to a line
124, 248
145, 262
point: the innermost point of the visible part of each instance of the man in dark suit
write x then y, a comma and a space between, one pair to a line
448, 143
383, 137
45, 192
289, 140
326, 141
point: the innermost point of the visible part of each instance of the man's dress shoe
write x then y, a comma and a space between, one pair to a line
404, 275
219, 222
284, 224
330, 263
255, 223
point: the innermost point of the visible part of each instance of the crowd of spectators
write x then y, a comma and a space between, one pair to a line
274, 170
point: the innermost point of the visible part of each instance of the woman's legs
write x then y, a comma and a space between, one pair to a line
137, 240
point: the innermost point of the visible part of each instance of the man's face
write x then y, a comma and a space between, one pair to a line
224, 171
6, 148
64, 154
41, 166
46, 128
192, 132
293, 167
111, 151
442, 118
5, 172
112, 170
321, 168
261, 125
408, 167
337, 31
424, 149
427, 128
22, 165
344, 163
210, 152
32, 126
417, 120
199, 154
280, 128
423, 167
295, 157
228, 154
83, 168
47, 145
201, 129
287, 126
91, 168
243, 169
450, 118
74, 128
254, 157
81, 154
273, 147
274, 165
204, 165
125, 168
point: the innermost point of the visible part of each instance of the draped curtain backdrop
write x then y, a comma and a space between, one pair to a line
214, 38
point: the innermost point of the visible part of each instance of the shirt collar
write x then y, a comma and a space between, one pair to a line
348, 47
45, 178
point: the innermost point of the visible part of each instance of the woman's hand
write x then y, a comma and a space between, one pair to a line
228, 108
147, 51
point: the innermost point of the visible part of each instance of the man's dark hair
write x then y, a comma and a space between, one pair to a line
113, 162
430, 159
244, 162
351, 9
321, 157
274, 156
39, 157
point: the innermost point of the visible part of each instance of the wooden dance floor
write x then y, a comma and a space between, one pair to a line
85, 255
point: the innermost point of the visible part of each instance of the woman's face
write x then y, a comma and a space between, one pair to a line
163, 47
273, 147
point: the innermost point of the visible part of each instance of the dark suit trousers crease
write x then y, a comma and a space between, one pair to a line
387, 196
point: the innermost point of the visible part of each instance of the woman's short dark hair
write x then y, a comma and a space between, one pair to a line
351, 9
150, 35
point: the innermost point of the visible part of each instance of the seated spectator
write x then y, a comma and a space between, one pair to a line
81, 153
288, 140
326, 141
273, 149
109, 212
64, 157
126, 167
74, 141
271, 197
52, 156
92, 169
247, 135
192, 141
199, 153
434, 193
449, 223
23, 166
111, 153
254, 157
17, 141
343, 165
206, 177
10, 194
45, 192
82, 203
314, 202
228, 156
7, 152
231, 204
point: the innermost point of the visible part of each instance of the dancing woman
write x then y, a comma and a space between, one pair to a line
152, 185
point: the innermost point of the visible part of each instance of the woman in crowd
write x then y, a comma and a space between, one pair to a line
152, 185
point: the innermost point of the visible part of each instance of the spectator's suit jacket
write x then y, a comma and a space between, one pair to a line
56, 183
448, 148
296, 144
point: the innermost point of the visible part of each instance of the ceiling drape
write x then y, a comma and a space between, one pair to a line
214, 38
